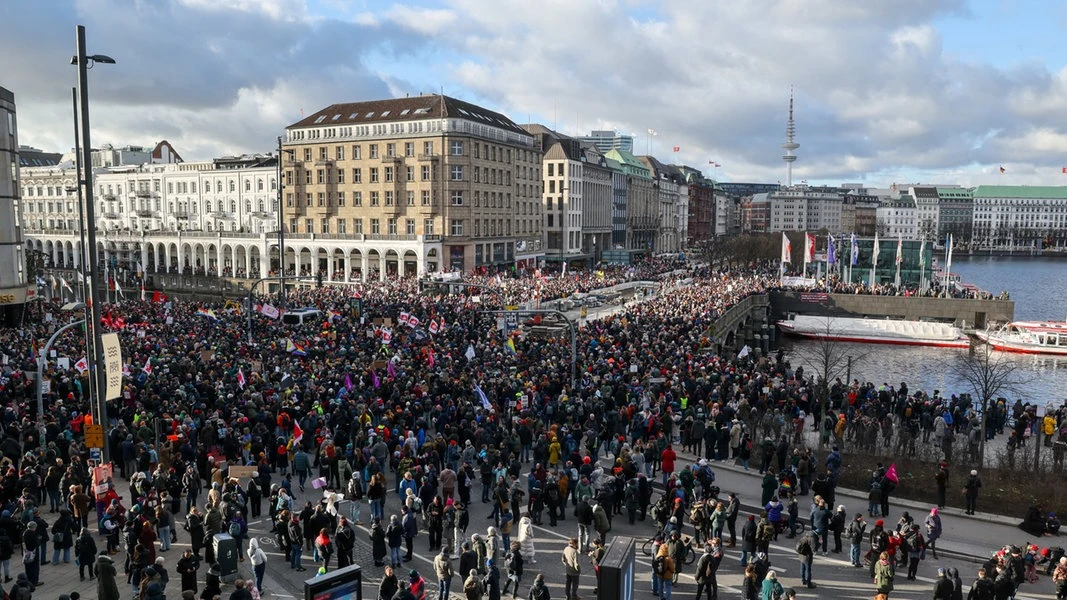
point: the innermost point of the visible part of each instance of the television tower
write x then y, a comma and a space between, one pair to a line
789, 146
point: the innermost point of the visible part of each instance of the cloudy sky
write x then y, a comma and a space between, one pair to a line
937, 91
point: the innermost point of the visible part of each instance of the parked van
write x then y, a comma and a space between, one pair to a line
301, 316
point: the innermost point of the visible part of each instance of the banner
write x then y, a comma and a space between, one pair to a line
269, 311
112, 365
798, 281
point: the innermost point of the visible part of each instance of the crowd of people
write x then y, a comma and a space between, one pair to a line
419, 396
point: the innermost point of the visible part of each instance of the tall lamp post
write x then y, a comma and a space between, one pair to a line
98, 385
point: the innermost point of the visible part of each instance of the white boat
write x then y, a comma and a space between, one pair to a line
1028, 337
875, 331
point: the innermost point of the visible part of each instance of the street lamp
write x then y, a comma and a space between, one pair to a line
281, 221
83, 61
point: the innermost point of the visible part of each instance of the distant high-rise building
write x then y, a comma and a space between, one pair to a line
608, 140
12, 262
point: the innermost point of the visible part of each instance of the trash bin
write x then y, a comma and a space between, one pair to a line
225, 548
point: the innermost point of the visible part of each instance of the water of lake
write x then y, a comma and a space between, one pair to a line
1039, 288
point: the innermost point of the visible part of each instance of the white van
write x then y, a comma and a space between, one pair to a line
301, 316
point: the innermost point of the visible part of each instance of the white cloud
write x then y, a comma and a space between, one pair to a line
878, 91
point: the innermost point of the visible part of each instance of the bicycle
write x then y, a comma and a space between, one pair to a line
690, 553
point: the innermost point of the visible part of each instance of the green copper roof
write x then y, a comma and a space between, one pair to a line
631, 164
1038, 192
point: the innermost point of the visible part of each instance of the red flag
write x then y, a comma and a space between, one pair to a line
677, 148
298, 434
1002, 169
1064, 169
157, 296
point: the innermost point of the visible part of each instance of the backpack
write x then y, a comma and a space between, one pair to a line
765, 532
659, 565
416, 504
235, 529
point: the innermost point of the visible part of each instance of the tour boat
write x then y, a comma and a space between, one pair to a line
875, 331
1028, 337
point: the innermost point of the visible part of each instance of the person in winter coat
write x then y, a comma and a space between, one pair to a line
442, 566
259, 561
526, 538
771, 588
107, 585
379, 549
394, 536
933, 531
883, 574
1059, 578
64, 529
23, 589
389, 585
539, 591
970, 491
750, 584
748, 539
188, 565
85, 552
957, 583
942, 585
601, 523
492, 580
514, 564
472, 586
573, 568
982, 588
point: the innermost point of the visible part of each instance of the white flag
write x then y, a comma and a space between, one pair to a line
744, 351
470, 352
82, 365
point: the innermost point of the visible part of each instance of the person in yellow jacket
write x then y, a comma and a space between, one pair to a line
1048, 427
554, 453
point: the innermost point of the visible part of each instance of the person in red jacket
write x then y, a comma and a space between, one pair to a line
667, 463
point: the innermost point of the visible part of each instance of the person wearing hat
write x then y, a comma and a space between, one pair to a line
492, 580
970, 491
416, 585
879, 541
942, 586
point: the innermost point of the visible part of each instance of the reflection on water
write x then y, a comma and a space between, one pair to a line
1036, 286
1043, 378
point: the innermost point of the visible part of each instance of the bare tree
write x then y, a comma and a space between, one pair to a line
989, 374
830, 358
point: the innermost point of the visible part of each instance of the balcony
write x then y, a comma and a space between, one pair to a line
143, 194
145, 213
261, 214
180, 214
402, 237
392, 159
110, 196
111, 215
431, 238
429, 157
324, 162
222, 215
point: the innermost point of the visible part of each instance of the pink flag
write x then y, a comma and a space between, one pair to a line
241, 378
374, 379
430, 358
891, 473
391, 370
348, 382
